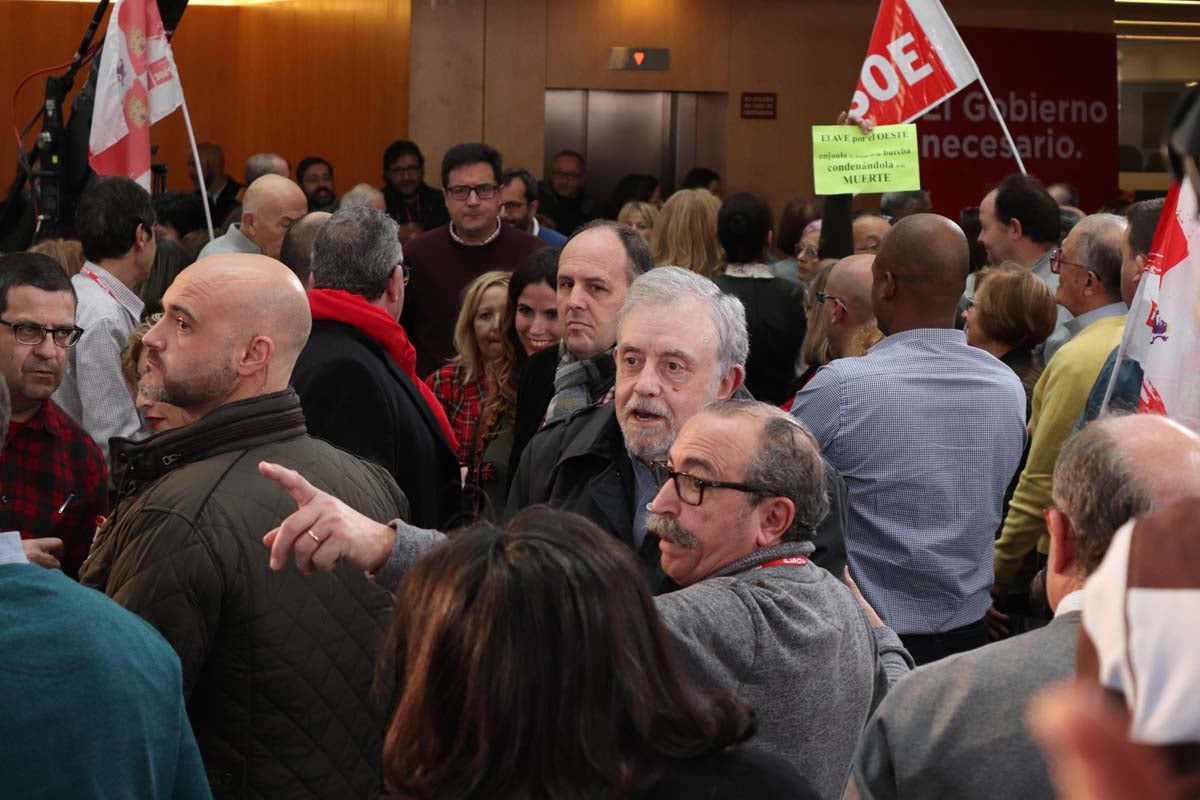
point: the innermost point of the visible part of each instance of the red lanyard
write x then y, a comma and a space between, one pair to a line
99, 282
789, 561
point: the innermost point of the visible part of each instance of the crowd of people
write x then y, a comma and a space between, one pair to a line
492, 491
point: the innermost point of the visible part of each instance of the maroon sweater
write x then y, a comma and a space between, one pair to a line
441, 270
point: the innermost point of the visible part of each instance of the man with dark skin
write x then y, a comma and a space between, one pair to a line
927, 432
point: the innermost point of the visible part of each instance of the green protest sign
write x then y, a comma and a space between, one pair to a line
845, 160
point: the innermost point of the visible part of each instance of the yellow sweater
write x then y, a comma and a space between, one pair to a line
1058, 400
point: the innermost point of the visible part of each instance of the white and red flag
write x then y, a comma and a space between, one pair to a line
916, 60
1163, 329
137, 86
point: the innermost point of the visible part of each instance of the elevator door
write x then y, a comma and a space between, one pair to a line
663, 134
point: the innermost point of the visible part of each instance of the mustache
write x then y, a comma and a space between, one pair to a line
669, 529
647, 406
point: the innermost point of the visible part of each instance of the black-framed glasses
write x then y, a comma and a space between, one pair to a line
691, 489
1056, 262
26, 333
484, 191
823, 297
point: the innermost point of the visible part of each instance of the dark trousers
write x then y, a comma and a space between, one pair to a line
929, 647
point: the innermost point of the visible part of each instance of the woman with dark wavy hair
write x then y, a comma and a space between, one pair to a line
530, 324
531, 663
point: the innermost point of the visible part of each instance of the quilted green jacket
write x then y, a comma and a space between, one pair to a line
278, 668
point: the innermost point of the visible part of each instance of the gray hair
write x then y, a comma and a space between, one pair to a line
356, 250
1118, 467
786, 463
638, 258
666, 286
261, 164
1100, 248
1096, 487
361, 196
898, 204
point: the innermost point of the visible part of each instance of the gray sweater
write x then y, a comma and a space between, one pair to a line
791, 640
956, 728
794, 643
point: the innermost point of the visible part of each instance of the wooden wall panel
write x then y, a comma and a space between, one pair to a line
447, 68
696, 31
326, 77
514, 107
206, 52
298, 77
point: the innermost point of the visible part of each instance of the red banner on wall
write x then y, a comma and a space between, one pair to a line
1057, 91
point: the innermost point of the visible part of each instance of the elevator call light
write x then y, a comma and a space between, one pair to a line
639, 59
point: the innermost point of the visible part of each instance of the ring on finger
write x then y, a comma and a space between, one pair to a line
313, 536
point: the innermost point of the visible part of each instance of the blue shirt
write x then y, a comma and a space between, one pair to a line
927, 432
548, 235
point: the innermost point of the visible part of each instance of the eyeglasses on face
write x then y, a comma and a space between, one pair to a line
484, 191
566, 174
415, 169
405, 272
1057, 260
823, 297
806, 251
34, 335
690, 488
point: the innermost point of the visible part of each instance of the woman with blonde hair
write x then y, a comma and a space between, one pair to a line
686, 233
814, 350
642, 217
460, 385
67, 252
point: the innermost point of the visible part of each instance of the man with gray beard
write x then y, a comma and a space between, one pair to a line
681, 344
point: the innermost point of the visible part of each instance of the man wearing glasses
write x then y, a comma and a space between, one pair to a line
563, 198
446, 259
356, 375
53, 480
736, 500
1088, 266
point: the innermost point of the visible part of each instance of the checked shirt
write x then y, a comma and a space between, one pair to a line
48, 464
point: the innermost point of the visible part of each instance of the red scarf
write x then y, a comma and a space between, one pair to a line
354, 310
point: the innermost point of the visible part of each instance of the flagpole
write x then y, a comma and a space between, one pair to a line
187, 122
988, 92
1011, 144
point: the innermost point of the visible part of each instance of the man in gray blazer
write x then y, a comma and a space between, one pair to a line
956, 728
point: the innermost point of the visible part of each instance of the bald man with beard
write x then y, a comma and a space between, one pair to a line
278, 669
927, 432
269, 207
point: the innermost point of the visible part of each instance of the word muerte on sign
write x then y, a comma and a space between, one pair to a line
846, 160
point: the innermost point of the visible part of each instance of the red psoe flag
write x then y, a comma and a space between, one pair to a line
915, 61
137, 86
